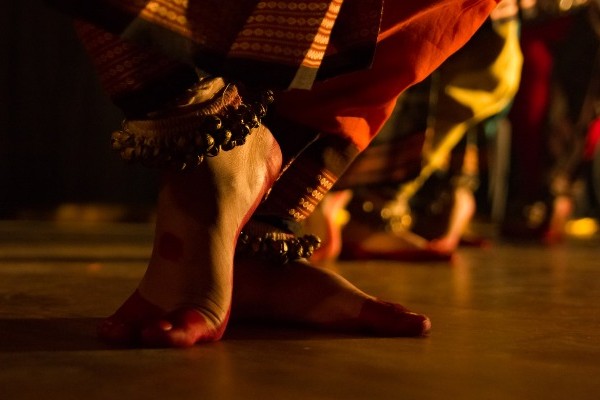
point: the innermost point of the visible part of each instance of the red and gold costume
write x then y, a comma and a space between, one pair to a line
338, 66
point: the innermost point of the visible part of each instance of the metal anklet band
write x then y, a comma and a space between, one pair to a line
278, 248
183, 139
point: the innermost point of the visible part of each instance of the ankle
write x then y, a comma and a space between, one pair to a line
274, 243
214, 116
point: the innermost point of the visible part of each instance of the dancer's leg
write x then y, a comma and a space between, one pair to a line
184, 296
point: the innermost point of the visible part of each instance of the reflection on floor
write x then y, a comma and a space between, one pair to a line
509, 322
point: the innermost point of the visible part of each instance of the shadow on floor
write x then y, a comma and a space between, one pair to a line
79, 334
49, 334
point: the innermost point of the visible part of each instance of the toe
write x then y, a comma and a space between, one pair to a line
123, 327
113, 331
182, 328
388, 319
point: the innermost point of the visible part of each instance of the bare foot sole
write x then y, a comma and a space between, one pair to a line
301, 294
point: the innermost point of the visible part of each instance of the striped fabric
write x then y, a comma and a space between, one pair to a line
284, 43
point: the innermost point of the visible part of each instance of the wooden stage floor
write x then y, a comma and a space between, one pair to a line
509, 322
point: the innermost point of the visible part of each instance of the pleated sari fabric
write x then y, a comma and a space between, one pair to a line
338, 65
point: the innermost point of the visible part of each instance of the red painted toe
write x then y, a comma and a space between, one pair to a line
389, 319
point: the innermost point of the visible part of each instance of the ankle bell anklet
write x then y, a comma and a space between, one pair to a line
182, 139
278, 248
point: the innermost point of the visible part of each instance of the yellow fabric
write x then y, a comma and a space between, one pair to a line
470, 92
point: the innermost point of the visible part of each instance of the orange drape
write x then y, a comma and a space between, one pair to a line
416, 37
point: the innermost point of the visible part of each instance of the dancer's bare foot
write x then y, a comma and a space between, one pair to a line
562, 209
300, 293
348, 236
361, 241
326, 222
185, 295
462, 213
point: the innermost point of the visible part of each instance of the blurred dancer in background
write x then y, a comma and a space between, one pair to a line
552, 115
411, 192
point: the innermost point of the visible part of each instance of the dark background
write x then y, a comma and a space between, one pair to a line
55, 121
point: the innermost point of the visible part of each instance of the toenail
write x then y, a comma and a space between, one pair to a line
165, 326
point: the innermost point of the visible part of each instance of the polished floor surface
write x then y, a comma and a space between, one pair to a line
509, 322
